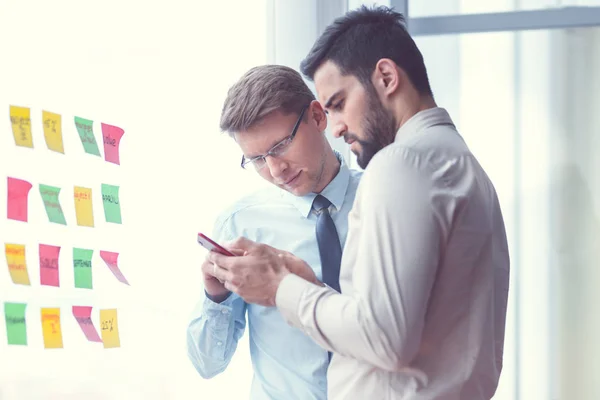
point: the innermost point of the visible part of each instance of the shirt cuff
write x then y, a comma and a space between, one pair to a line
226, 304
213, 299
288, 297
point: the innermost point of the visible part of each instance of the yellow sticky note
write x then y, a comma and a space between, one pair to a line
15, 258
51, 328
83, 206
53, 131
109, 328
20, 119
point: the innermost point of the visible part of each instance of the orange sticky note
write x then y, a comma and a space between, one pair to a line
83, 206
15, 258
109, 328
51, 328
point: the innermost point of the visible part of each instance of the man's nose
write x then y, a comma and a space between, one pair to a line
339, 129
277, 166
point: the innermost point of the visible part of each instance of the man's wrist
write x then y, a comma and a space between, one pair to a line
218, 298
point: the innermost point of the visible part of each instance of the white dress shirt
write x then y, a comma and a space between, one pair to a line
424, 276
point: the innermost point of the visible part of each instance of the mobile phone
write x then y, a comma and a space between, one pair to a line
211, 245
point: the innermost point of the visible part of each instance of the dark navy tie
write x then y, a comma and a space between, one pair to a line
330, 248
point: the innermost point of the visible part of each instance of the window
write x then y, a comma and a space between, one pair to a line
526, 103
160, 72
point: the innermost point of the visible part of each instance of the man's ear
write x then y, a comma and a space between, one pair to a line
386, 77
317, 114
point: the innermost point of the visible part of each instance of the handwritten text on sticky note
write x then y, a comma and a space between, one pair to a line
82, 265
112, 139
82, 315
51, 328
20, 119
52, 204
17, 267
86, 134
83, 206
49, 275
112, 206
53, 131
16, 325
109, 328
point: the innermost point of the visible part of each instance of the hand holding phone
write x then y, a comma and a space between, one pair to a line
211, 245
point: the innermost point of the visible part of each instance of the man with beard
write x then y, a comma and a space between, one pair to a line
425, 268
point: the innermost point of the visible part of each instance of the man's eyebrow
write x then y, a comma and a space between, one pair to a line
332, 99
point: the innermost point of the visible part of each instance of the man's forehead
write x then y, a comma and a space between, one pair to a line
328, 79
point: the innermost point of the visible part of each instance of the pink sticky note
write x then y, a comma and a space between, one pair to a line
16, 206
111, 261
83, 316
49, 265
112, 138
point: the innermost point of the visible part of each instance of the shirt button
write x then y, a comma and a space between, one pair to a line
225, 312
219, 343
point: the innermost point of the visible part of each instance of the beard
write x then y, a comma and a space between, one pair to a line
379, 129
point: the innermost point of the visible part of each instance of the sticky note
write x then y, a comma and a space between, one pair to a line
83, 317
49, 265
16, 325
17, 195
109, 328
17, 267
85, 128
53, 131
112, 207
110, 259
83, 206
112, 139
82, 264
20, 119
52, 204
51, 328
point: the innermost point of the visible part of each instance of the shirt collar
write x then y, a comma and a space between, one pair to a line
335, 191
424, 119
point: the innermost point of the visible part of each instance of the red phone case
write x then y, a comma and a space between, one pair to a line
211, 245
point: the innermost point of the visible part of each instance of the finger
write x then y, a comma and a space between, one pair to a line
219, 259
238, 252
230, 286
221, 274
243, 243
207, 267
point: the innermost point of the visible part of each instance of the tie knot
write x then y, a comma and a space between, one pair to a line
320, 203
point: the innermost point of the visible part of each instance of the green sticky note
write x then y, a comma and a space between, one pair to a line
112, 207
86, 134
82, 264
51, 204
16, 326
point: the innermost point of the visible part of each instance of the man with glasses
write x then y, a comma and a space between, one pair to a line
426, 266
274, 118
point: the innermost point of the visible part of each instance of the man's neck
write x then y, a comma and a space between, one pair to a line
330, 170
408, 108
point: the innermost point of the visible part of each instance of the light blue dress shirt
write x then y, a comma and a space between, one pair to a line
287, 364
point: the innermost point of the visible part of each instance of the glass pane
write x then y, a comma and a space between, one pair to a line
426, 8
526, 104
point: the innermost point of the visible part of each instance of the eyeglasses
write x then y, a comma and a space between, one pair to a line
278, 150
